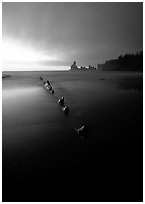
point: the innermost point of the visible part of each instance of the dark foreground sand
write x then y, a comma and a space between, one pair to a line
43, 158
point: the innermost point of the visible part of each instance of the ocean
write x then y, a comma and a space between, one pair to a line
43, 159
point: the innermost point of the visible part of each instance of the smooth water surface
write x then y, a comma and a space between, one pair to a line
40, 145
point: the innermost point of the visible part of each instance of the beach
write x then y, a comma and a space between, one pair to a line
43, 159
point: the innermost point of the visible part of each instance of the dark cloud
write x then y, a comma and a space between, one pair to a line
87, 32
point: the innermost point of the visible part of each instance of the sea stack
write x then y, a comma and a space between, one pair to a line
74, 66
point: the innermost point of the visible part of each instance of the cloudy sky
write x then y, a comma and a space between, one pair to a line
47, 35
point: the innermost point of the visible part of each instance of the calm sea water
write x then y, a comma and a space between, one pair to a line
39, 141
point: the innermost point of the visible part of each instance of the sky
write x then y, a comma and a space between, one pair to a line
51, 35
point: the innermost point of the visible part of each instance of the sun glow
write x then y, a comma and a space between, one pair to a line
17, 56
18, 52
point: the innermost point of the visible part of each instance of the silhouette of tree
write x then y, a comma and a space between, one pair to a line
128, 62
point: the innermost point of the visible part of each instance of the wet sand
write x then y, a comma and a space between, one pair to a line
43, 158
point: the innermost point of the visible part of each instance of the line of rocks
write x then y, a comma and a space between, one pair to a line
61, 101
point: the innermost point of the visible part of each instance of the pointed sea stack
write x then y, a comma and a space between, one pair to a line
74, 66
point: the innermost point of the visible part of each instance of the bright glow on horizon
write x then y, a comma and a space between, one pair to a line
12, 51
21, 67
19, 57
